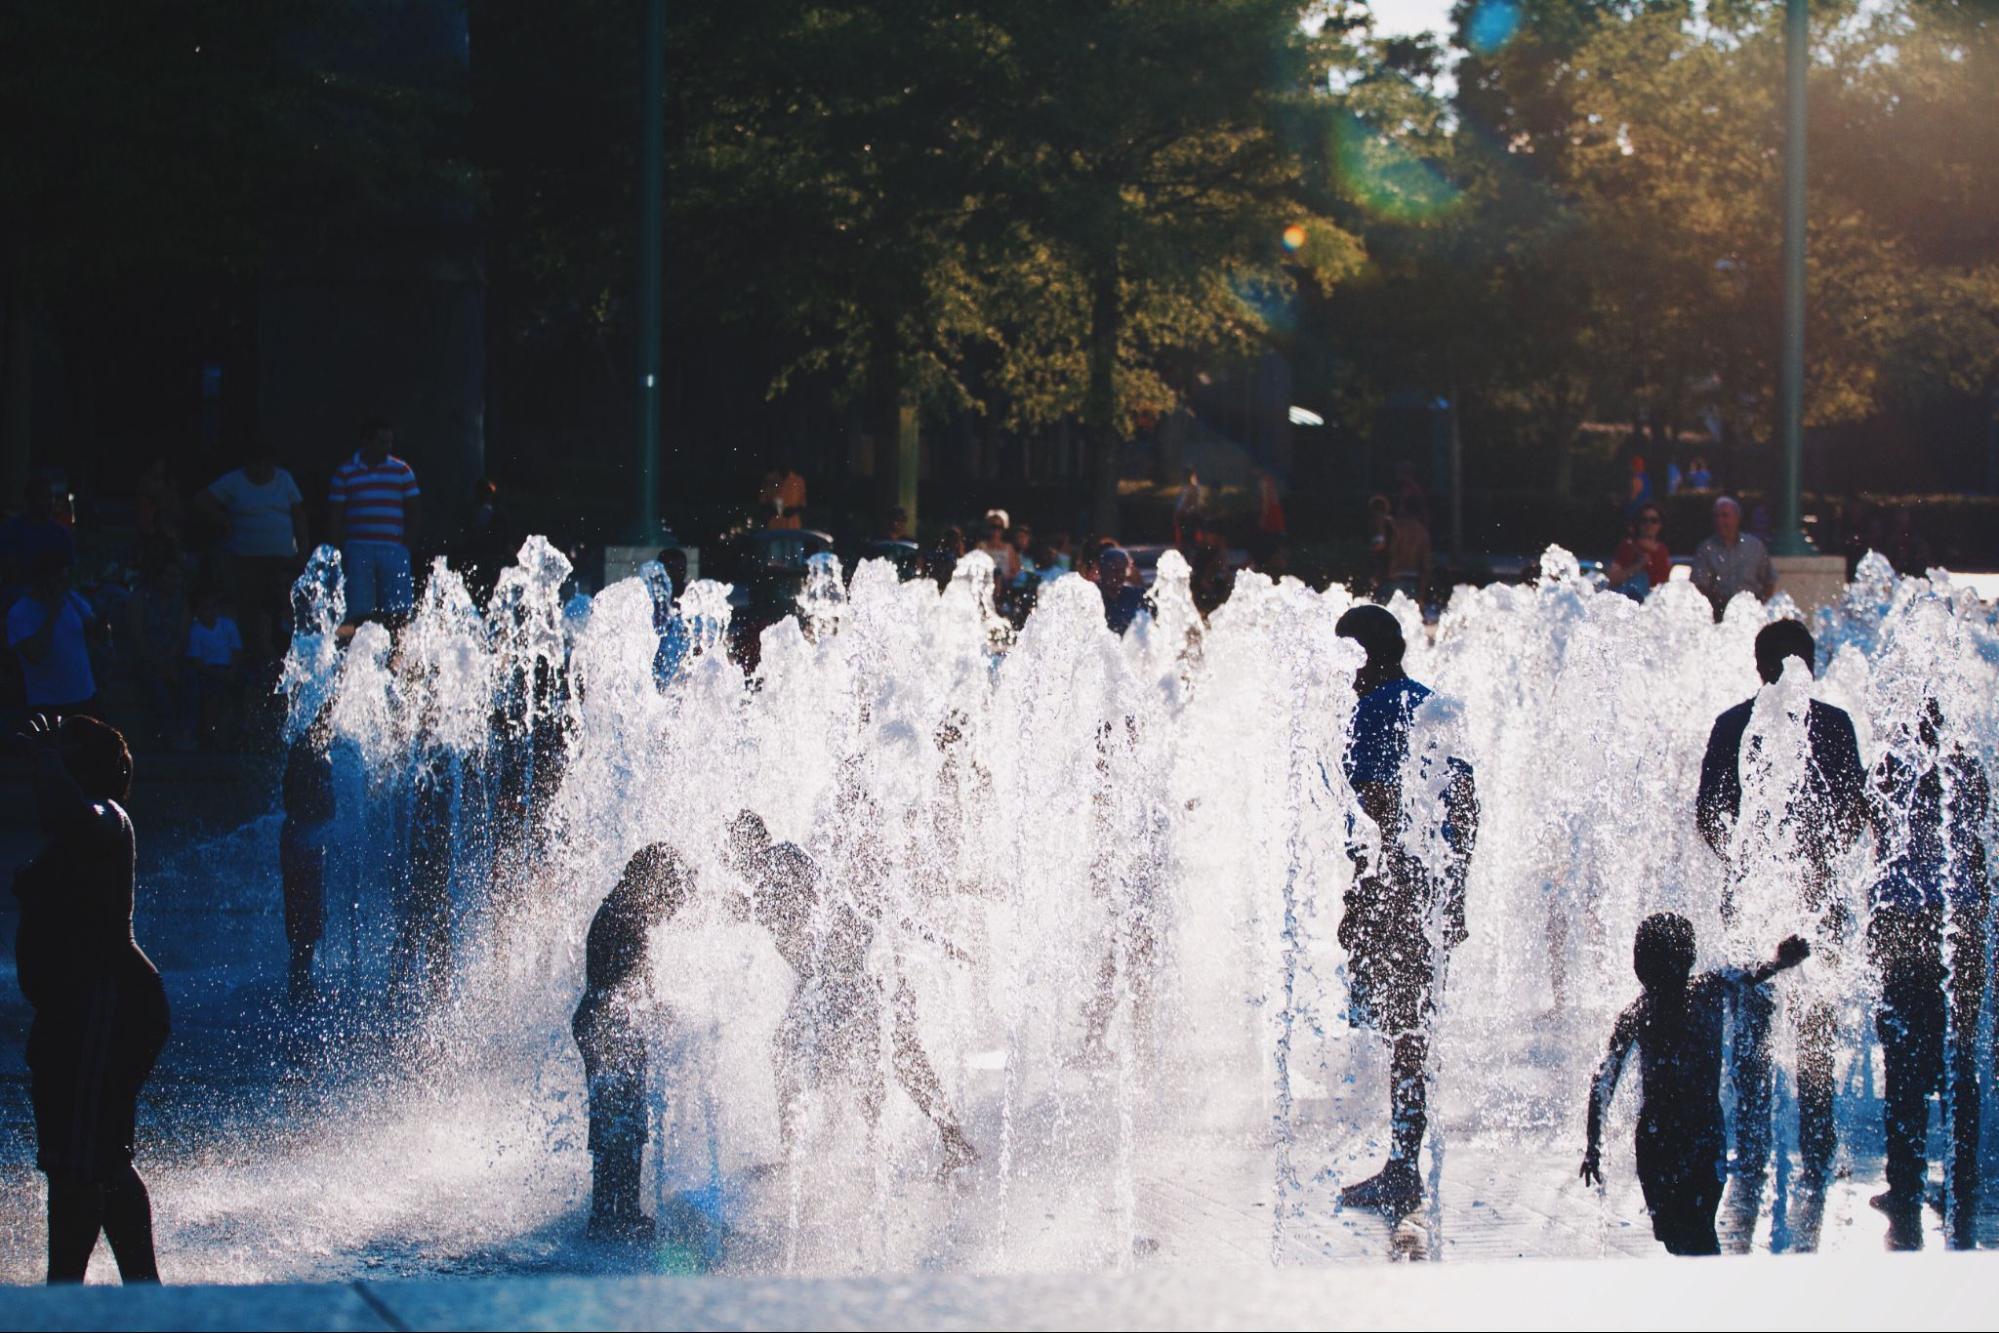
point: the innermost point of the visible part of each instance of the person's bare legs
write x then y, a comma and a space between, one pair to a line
918, 1078
128, 1225
1817, 1035
1102, 1006
76, 1215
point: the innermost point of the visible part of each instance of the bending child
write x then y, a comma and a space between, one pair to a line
608, 1032
1676, 1025
832, 1028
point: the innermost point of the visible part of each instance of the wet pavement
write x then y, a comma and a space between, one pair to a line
1818, 1292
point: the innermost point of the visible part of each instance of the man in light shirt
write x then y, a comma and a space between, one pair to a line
1732, 561
375, 511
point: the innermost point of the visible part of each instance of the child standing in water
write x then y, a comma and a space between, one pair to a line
611, 1037
100, 1009
302, 843
1676, 1025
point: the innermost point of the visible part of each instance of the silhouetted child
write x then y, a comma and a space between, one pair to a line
302, 842
832, 1028
420, 960
100, 1011
1676, 1025
214, 656
609, 1035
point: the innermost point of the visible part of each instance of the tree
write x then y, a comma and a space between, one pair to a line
1156, 151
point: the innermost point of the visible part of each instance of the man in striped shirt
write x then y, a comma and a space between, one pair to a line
375, 511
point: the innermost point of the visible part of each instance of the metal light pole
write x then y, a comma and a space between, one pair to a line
1790, 533
652, 186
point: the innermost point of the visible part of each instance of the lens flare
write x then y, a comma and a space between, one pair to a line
1387, 179
1493, 24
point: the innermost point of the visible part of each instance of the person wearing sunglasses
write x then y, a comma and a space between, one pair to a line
1642, 561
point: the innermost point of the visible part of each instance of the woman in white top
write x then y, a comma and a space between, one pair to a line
262, 517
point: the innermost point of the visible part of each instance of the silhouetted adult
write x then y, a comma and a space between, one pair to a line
1827, 812
100, 1012
1929, 809
783, 495
1642, 561
49, 629
1409, 556
611, 1035
32, 539
999, 545
261, 514
1732, 561
941, 557
376, 512
1123, 599
1402, 917
488, 542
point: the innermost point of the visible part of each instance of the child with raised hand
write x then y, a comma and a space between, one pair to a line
100, 1009
1676, 1025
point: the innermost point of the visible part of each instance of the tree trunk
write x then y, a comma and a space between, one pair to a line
1561, 439
1457, 469
17, 394
1100, 414
883, 412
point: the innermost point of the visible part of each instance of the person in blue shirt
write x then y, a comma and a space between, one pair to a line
675, 643
1123, 598
1929, 805
1402, 917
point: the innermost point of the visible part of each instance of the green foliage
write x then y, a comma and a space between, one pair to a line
186, 134
1613, 246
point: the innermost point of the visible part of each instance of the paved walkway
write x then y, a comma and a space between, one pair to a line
1820, 1293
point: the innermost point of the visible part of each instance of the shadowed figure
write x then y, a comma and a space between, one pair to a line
1124, 874
1827, 811
831, 1031
1402, 917
611, 1036
303, 843
420, 960
1676, 1026
100, 1008
1926, 938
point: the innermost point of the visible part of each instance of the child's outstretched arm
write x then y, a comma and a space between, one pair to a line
1794, 950
1622, 1038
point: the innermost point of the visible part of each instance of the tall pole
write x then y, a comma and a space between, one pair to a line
652, 186
1790, 533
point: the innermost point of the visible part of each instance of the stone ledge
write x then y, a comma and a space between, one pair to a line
1814, 581
1932, 1291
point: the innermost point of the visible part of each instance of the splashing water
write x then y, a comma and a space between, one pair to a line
1106, 874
